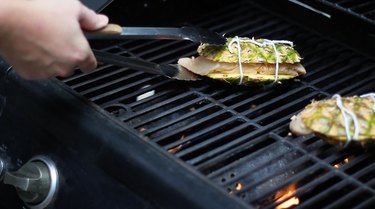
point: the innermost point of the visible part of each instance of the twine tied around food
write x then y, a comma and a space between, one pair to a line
345, 113
263, 44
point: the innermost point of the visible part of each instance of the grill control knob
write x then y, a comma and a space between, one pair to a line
35, 182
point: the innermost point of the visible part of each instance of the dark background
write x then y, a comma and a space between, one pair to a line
159, 12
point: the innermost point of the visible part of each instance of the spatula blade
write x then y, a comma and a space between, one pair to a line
201, 35
169, 70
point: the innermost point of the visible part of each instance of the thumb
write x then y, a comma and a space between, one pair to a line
89, 20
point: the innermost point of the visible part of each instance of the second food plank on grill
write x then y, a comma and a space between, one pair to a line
339, 120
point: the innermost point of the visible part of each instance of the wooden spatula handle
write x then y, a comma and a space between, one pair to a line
110, 29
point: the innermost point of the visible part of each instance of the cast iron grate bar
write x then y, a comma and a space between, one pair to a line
186, 104
366, 204
331, 167
195, 154
196, 136
238, 157
231, 133
191, 114
265, 178
197, 125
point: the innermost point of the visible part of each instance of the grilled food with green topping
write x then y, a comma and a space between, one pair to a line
258, 62
325, 119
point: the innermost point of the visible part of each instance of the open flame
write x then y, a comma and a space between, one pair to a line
174, 150
178, 148
343, 162
238, 186
284, 194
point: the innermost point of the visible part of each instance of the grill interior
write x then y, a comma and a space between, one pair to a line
364, 9
238, 137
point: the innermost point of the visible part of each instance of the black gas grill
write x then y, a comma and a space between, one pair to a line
207, 144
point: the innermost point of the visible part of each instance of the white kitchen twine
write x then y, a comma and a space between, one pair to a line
263, 44
372, 96
345, 112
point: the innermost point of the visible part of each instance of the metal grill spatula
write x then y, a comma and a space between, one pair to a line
194, 34
169, 70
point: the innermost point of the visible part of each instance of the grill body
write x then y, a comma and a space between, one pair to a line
121, 137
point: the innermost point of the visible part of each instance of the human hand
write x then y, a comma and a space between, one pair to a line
44, 38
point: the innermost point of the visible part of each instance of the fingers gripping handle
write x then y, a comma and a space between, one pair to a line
110, 29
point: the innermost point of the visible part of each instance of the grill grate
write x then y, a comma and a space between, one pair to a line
238, 136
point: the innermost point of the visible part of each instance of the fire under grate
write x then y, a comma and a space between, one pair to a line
238, 137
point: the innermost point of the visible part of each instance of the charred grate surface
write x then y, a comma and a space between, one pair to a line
238, 136
363, 9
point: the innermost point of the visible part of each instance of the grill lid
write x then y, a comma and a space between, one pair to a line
334, 18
